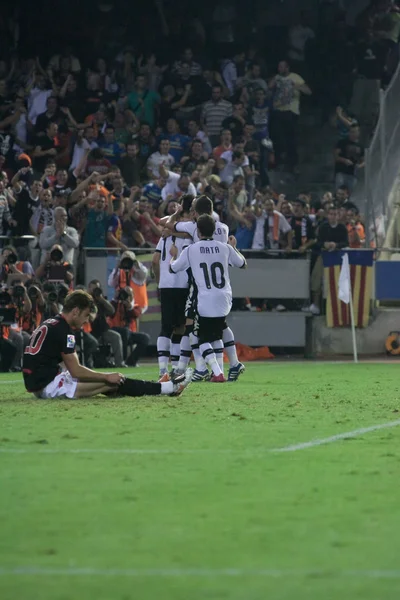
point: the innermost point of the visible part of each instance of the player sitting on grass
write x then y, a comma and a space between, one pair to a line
53, 345
209, 261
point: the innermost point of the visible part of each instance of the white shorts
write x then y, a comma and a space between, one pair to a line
62, 385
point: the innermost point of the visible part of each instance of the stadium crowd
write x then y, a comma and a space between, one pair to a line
93, 153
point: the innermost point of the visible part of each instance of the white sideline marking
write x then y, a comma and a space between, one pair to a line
250, 452
195, 572
336, 438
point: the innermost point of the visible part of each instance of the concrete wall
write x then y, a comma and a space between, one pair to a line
329, 342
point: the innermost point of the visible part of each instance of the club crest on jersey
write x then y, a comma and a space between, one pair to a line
70, 341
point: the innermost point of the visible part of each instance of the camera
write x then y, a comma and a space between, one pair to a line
126, 264
18, 291
122, 296
56, 255
33, 292
5, 298
11, 259
57, 293
97, 293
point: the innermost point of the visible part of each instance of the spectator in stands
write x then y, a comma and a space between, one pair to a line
18, 300
95, 230
349, 157
196, 157
302, 226
112, 150
162, 157
213, 114
332, 235
355, 228
5, 214
187, 58
342, 195
271, 228
27, 201
233, 71
178, 142
39, 91
225, 145
52, 114
233, 162
148, 223
300, 35
59, 233
130, 164
45, 146
195, 133
143, 102
176, 184
287, 88
42, 215
114, 229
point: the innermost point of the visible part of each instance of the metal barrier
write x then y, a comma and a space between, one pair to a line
274, 277
382, 164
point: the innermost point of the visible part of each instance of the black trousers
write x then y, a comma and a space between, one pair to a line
284, 135
129, 338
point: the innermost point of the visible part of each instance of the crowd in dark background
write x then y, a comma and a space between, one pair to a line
110, 113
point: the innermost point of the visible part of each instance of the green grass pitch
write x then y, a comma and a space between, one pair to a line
182, 498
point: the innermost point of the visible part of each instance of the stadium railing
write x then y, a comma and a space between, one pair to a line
382, 165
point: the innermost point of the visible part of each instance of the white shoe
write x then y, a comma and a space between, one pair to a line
181, 382
313, 309
280, 307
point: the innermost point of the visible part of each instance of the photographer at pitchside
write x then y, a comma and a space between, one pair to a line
124, 322
130, 272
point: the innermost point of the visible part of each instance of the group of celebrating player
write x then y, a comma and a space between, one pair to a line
191, 265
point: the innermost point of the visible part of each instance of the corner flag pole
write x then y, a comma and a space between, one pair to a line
346, 296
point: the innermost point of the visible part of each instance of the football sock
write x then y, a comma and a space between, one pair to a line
186, 353
229, 343
163, 350
175, 349
136, 387
218, 347
198, 359
209, 356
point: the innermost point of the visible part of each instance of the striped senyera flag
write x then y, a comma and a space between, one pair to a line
337, 312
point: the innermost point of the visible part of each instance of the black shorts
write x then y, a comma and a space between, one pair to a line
191, 303
173, 303
209, 329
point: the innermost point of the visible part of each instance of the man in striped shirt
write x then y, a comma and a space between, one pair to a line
214, 112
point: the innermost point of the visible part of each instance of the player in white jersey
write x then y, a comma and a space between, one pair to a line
209, 261
204, 206
174, 289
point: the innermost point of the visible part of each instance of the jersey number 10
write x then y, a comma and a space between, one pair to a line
215, 268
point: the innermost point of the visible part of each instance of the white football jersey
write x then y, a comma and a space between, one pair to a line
221, 233
209, 261
168, 279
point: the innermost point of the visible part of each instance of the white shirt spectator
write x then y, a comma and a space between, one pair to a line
68, 242
171, 188
79, 152
229, 73
37, 103
259, 239
231, 170
299, 35
21, 132
156, 159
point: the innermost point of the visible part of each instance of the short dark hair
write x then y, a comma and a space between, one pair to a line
79, 299
206, 225
186, 202
204, 205
94, 282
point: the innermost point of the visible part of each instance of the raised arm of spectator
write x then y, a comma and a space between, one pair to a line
164, 173
184, 98
82, 187
82, 163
